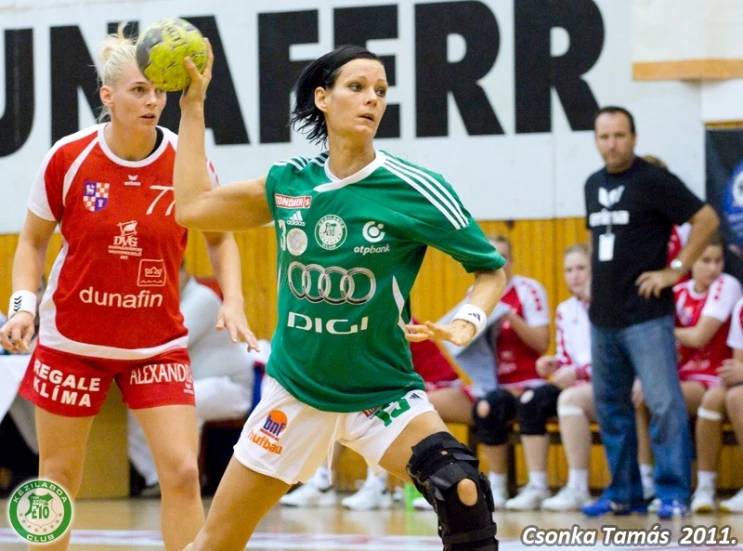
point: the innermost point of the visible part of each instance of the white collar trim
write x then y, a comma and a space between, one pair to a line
131, 164
338, 183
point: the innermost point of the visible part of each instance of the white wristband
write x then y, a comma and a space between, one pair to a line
474, 315
22, 301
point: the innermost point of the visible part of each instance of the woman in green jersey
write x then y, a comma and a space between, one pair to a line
353, 225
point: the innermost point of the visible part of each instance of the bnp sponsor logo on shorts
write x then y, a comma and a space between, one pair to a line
40, 511
269, 434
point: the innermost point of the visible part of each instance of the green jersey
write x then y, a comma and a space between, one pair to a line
349, 252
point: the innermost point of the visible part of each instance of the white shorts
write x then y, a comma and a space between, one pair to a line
286, 439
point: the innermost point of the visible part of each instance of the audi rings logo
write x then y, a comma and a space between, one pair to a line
333, 285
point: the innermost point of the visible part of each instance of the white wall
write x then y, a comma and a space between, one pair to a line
511, 176
676, 30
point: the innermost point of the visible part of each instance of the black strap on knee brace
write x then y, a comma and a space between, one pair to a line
439, 463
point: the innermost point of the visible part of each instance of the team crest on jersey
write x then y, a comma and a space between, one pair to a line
95, 195
296, 241
686, 315
330, 232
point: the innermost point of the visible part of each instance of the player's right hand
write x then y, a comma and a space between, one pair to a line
196, 91
17, 332
638, 398
546, 366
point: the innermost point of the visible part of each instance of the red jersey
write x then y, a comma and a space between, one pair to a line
113, 289
735, 337
516, 361
573, 331
679, 238
430, 362
717, 302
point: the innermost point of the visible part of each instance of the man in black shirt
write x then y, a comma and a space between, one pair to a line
631, 207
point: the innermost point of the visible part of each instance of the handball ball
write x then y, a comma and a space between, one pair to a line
161, 48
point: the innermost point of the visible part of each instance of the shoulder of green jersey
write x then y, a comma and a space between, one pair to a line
431, 186
300, 163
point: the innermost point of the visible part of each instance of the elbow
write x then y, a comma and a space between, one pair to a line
181, 218
708, 217
540, 344
700, 343
694, 342
714, 219
500, 278
186, 217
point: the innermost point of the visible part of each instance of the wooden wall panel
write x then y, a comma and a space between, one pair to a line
537, 248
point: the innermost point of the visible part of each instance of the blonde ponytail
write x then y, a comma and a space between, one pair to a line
116, 51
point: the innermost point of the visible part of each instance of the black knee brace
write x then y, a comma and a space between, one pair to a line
438, 464
535, 407
493, 429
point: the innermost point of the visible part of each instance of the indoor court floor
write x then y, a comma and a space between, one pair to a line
133, 524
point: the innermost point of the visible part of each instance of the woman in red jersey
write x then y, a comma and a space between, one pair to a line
111, 309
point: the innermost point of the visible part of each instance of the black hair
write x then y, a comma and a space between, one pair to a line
717, 240
306, 117
613, 110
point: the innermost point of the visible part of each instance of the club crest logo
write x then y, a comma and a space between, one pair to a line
296, 241
95, 195
330, 232
40, 511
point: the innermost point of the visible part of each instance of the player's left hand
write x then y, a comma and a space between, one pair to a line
731, 372
196, 91
652, 283
232, 318
458, 332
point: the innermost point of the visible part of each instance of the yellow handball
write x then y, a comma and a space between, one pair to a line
161, 48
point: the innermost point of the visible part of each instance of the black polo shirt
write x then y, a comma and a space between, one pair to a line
642, 204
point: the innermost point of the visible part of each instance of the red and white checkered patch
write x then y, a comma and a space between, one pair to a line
92, 201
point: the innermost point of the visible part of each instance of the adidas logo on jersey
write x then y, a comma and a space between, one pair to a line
295, 219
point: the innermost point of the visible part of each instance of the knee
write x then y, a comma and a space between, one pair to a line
734, 401
535, 407
714, 400
574, 401
69, 475
467, 492
447, 474
567, 398
664, 406
493, 415
181, 477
